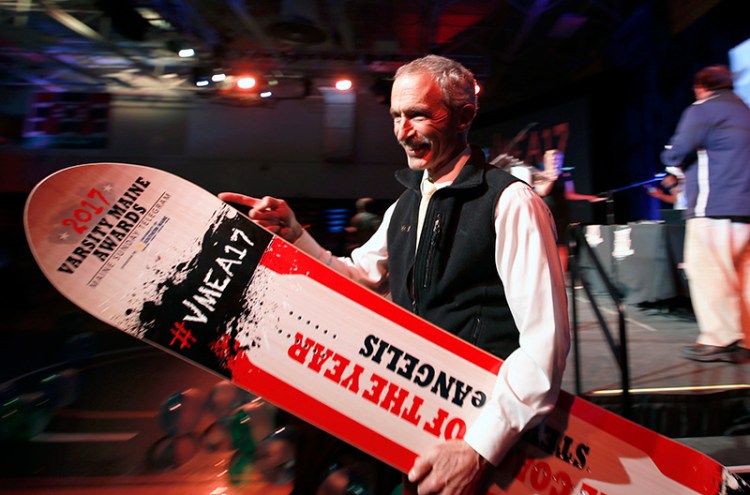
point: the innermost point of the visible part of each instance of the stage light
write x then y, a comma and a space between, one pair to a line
343, 84
336, 219
265, 94
201, 76
218, 77
181, 47
246, 82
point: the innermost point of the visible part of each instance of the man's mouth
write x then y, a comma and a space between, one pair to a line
416, 149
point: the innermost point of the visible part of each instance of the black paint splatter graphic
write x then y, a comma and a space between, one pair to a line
734, 485
201, 299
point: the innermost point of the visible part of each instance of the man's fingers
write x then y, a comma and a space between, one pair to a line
431, 484
259, 209
271, 213
419, 470
239, 199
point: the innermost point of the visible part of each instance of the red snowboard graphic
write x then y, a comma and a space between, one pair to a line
169, 263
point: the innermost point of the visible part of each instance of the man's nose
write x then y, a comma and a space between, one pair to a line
403, 129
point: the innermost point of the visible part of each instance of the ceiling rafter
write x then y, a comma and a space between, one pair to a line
512, 45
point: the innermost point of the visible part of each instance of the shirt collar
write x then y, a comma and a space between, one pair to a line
455, 166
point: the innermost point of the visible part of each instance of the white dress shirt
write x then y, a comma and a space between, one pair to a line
527, 263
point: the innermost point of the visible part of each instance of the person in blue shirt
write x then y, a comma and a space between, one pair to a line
670, 190
711, 146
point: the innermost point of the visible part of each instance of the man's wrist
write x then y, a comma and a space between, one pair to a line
295, 232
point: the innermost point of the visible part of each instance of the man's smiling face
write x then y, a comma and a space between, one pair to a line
423, 124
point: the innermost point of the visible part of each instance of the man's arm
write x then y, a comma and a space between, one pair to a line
543, 183
657, 193
367, 264
572, 195
681, 152
529, 380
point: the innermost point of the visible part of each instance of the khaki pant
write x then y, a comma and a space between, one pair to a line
717, 264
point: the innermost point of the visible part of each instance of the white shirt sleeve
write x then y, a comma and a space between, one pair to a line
368, 264
529, 380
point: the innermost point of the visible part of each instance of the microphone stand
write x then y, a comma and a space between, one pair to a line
610, 201
610, 208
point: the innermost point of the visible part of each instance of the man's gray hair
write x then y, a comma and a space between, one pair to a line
456, 81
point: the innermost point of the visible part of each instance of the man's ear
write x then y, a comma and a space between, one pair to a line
466, 116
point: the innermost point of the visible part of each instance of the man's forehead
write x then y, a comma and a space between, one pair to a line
418, 80
413, 88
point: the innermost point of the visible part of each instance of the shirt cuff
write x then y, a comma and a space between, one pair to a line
489, 435
676, 171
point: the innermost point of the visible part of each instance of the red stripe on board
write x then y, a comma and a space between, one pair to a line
291, 399
279, 254
671, 458
675, 460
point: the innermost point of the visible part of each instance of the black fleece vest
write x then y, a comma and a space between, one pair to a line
452, 281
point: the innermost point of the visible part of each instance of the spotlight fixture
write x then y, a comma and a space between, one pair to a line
343, 84
201, 77
181, 48
246, 82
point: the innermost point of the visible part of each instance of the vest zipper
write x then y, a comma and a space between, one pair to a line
476, 331
434, 236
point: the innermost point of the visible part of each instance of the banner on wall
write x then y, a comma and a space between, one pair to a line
564, 126
67, 120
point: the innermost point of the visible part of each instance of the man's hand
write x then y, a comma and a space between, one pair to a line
450, 468
271, 213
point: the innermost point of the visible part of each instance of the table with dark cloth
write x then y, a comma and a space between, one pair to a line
643, 260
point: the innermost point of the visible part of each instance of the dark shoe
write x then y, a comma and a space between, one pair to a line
732, 353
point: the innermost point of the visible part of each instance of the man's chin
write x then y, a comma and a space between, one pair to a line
417, 163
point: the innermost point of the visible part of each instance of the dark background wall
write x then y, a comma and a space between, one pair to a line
637, 105
630, 110
613, 125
